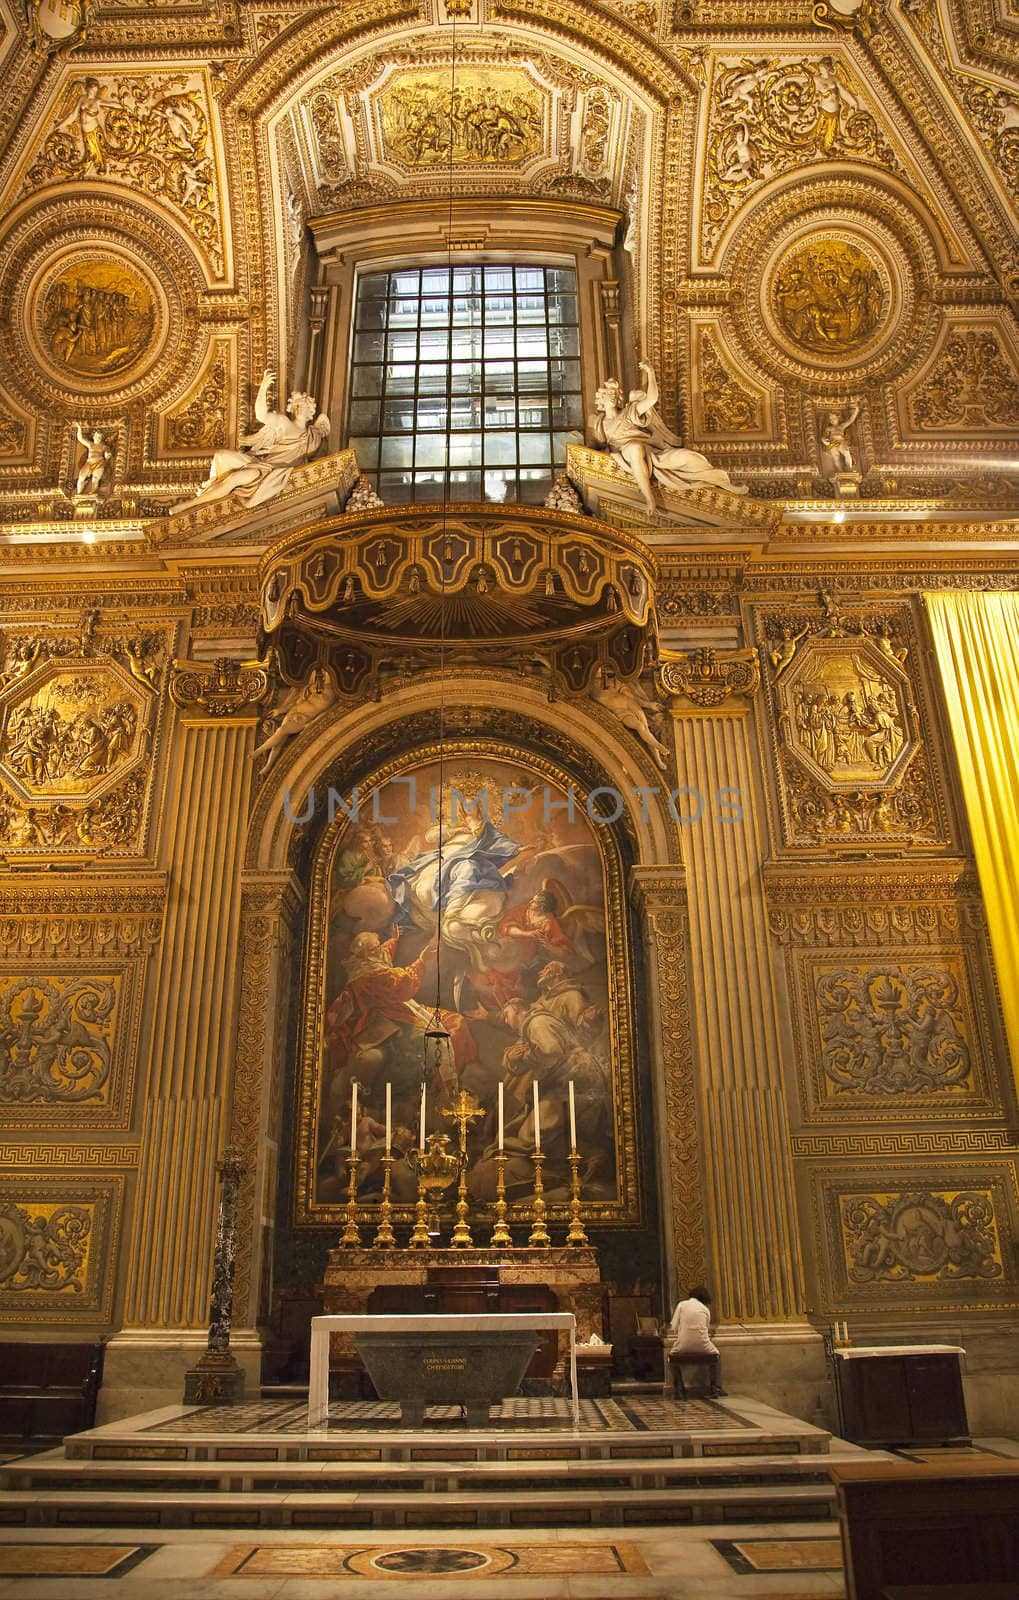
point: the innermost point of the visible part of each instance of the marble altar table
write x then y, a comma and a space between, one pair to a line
322, 1327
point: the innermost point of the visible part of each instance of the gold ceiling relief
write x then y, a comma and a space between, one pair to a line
972, 387
149, 131
496, 116
770, 115
96, 316
829, 296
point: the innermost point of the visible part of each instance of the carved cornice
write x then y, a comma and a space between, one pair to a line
224, 689
708, 677
43, 918
832, 907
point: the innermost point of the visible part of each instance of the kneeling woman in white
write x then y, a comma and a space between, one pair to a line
691, 1330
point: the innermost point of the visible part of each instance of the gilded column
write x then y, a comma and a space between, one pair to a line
748, 1194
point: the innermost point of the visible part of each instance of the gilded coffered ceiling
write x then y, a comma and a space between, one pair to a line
819, 204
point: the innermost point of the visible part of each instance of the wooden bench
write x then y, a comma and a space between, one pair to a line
48, 1390
924, 1527
699, 1358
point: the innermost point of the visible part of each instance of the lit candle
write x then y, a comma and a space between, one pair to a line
421, 1136
500, 1116
389, 1116
573, 1119
537, 1118
353, 1117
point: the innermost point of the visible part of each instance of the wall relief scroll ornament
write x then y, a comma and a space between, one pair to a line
12, 433
726, 405
995, 115
848, 16
202, 422
892, 1030
114, 822
638, 438
708, 677
974, 385
148, 131
634, 708
56, 1039
260, 469
895, 1238
47, 1250
226, 689
770, 116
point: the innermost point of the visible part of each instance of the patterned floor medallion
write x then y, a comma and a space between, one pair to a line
71, 1560
781, 1555
431, 1561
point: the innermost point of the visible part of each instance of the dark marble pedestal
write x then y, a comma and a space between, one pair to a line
441, 1369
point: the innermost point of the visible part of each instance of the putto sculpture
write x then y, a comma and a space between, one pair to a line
638, 439
260, 469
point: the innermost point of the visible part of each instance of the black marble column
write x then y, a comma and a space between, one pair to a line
217, 1379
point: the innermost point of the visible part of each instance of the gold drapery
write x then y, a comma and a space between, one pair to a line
976, 637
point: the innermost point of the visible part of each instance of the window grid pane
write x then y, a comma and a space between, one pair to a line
487, 355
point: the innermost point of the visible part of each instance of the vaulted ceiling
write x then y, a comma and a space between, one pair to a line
820, 207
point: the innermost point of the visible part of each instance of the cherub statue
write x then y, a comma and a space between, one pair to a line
301, 705
631, 705
98, 456
833, 437
639, 439
260, 469
782, 652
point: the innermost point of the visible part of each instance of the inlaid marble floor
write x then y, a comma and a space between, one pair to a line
777, 1562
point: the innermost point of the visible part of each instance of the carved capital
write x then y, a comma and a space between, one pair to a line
223, 688
707, 677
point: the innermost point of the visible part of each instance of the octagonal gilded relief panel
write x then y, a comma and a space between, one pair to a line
70, 730
848, 714
846, 737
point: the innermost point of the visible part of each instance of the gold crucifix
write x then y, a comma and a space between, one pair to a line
463, 1112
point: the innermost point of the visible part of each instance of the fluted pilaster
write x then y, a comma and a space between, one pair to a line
749, 1195
191, 1030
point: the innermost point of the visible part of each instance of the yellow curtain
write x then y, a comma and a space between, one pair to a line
976, 637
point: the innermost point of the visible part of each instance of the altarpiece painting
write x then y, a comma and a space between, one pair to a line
530, 973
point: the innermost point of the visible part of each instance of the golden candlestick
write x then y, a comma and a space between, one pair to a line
351, 1234
501, 1236
463, 1112
436, 1167
539, 1239
385, 1238
576, 1235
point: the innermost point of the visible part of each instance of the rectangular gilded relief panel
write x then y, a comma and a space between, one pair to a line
919, 1239
68, 1044
58, 1248
891, 1037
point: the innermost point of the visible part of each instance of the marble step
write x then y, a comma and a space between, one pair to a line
55, 1471
553, 1504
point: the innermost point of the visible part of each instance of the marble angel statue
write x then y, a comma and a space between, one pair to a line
260, 469
639, 439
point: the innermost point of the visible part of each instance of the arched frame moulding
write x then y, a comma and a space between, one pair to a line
275, 920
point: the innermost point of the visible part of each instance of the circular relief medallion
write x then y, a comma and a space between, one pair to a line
96, 317
829, 297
